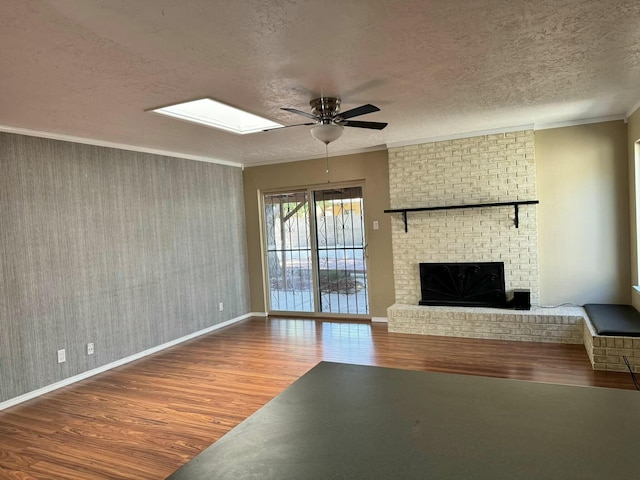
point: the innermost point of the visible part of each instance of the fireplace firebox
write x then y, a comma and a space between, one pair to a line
478, 284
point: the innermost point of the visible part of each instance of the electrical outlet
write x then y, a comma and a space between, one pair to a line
62, 356
376, 225
90, 349
221, 306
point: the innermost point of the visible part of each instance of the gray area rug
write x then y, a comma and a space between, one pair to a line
341, 421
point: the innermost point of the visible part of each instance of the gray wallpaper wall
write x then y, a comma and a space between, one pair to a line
127, 250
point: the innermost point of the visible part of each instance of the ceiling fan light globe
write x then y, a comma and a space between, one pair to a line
327, 133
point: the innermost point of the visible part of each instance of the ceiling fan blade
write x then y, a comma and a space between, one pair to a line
287, 126
372, 125
355, 112
300, 112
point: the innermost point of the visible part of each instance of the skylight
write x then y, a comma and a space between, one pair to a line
218, 115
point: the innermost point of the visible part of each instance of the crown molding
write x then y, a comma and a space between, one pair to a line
119, 146
584, 121
261, 163
458, 136
632, 110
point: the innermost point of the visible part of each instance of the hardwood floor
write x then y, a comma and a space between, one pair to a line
145, 419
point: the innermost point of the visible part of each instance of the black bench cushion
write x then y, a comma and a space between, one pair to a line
614, 320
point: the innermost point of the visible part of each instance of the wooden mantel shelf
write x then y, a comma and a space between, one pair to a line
515, 205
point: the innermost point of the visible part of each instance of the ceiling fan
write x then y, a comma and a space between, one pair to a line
329, 122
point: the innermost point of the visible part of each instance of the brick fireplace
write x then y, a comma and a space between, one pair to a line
476, 170
492, 169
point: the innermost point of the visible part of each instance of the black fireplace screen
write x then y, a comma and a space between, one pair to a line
479, 284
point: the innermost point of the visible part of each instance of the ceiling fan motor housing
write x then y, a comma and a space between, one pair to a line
325, 107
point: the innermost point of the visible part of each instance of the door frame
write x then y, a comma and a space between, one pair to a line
312, 225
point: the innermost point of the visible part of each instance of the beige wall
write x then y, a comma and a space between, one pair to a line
633, 135
373, 169
583, 216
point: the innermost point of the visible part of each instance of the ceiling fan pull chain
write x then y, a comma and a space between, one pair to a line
326, 153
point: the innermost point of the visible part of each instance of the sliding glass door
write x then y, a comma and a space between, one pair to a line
316, 251
288, 248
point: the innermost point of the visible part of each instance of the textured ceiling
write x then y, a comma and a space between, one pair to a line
90, 69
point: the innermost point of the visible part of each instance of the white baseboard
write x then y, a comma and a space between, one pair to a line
380, 319
259, 314
90, 373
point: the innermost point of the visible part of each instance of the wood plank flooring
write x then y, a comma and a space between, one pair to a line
145, 419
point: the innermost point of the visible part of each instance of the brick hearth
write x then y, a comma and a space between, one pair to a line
554, 325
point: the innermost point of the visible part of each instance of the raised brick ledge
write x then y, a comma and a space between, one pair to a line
606, 352
557, 325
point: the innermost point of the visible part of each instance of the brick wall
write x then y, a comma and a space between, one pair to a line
482, 169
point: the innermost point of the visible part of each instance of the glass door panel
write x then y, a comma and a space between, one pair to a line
342, 273
289, 254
